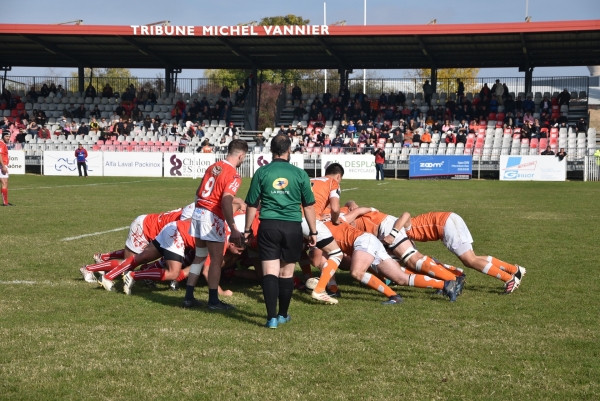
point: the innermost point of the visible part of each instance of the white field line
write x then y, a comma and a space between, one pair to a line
383, 183
96, 233
18, 282
84, 185
349, 189
45, 282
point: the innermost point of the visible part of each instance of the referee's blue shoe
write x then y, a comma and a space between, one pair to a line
271, 323
283, 319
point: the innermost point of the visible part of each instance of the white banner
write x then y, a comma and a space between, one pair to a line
260, 160
532, 168
182, 164
133, 164
360, 167
16, 162
65, 163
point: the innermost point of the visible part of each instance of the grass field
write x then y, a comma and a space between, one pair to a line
62, 338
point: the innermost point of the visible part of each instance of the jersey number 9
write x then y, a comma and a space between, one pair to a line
208, 187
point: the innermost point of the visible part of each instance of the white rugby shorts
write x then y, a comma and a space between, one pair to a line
370, 244
457, 236
136, 240
322, 230
170, 239
207, 226
3, 175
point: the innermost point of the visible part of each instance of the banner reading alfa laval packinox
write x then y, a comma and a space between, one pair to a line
65, 163
259, 160
457, 167
182, 164
16, 162
133, 164
359, 167
532, 168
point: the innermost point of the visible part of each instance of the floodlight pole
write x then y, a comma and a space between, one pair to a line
364, 70
325, 23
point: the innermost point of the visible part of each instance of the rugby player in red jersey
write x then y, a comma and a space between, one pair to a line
214, 208
4, 168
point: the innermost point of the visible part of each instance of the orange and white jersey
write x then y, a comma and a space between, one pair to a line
324, 188
345, 235
370, 222
428, 226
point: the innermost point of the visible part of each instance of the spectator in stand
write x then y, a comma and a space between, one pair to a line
327, 113
494, 103
528, 105
163, 129
528, 118
184, 140
428, 91
426, 137
548, 152
363, 137
351, 129
32, 128
45, 91
94, 126
239, 96
338, 141
461, 137
562, 154
90, 91
96, 112
176, 114
484, 92
416, 138
80, 112
518, 121
68, 111
450, 137
564, 97
518, 105
151, 97
200, 130
259, 139
562, 119
460, 92
509, 120
312, 114
83, 129
327, 98
397, 137
408, 138
498, 91
44, 133
205, 147
31, 95
296, 94
41, 118
581, 125
379, 154
225, 94
81, 155
104, 125
440, 112
447, 126
351, 146
107, 91
526, 130
546, 106
509, 104
231, 130
23, 115
299, 111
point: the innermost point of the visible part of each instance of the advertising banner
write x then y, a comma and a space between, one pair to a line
65, 163
459, 167
16, 162
259, 160
182, 164
357, 167
532, 168
133, 164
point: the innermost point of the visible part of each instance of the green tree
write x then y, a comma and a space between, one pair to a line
118, 78
446, 78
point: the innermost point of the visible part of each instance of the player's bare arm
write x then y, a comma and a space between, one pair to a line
398, 225
309, 213
250, 215
227, 207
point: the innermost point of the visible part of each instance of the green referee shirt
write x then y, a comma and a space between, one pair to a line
280, 188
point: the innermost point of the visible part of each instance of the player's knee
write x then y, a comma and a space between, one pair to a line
408, 255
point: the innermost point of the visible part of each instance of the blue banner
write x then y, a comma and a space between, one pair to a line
459, 167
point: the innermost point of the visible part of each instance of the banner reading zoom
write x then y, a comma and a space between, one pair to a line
182, 164
65, 163
260, 160
133, 164
358, 167
16, 162
458, 167
532, 168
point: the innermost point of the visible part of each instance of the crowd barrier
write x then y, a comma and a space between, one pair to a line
356, 166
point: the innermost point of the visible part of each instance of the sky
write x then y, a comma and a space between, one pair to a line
229, 12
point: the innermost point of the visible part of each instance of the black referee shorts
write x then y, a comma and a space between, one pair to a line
278, 239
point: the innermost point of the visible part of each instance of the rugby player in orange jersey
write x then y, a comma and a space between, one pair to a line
142, 231
367, 251
452, 230
326, 191
390, 230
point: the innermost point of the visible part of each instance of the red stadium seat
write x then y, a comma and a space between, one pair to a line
163, 149
317, 151
500, 116
335, 150
145, 148
116, 142
492, 116
533, 143
172, 148
167, 143
142, 143
543, 145
507, 131
554, 130
100, 143
95, 148
129, 149
14, 113
20, 106
110, 148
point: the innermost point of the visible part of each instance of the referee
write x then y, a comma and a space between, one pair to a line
281, 189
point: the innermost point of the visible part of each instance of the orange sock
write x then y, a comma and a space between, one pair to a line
426, 265
507, 267
335, 258
373, 282
495, 271
421, 281
454, 270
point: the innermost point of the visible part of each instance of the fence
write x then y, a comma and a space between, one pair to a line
591, 168
448, 85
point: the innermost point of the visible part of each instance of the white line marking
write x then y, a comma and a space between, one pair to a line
45, 282
17, 282
97, 233
84, 185
383, 183
349, 189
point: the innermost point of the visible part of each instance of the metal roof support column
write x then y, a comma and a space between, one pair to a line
254, 94
81, 78
434, 79
343, 78
528, 79
168, 72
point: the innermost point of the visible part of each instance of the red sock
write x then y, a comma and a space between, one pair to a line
127, 264
181, 276
154, 265
114, 255
103, 267
5, 195
150, 274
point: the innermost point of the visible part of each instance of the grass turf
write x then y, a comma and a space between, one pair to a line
62, 338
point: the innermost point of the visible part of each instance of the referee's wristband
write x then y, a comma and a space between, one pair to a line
315, 233
247, 231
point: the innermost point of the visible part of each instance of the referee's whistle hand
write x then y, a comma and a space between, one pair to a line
236, 238
312, 241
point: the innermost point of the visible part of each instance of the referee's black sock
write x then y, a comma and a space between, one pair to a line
213, 296
286, 288
270, 285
